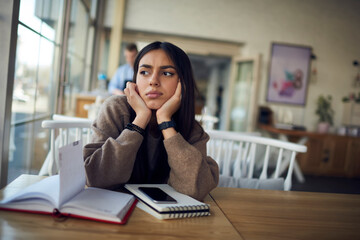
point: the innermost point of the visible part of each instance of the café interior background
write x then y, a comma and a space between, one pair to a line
50, 67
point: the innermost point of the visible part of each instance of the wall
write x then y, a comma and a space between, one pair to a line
330, 27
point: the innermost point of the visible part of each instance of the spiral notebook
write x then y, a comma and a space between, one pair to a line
184, 207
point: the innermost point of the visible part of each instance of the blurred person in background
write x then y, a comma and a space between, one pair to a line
125, 72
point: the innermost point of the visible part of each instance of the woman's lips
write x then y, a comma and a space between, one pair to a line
153, 94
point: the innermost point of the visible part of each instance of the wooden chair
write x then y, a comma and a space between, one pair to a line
236, 152
63, 130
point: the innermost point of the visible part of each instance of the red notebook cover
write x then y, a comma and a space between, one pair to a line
59, 214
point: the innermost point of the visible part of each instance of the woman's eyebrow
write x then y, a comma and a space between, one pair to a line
161, 67
167, 66
145, 66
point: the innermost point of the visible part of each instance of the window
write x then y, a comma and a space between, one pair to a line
38, 76
34, 92
79, 53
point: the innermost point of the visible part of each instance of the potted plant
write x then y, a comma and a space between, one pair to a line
325, 113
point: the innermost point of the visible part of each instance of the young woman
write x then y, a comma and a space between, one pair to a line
150, 135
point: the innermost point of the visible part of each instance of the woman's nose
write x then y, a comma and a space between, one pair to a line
154, 80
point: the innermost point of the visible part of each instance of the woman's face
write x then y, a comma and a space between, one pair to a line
156, 78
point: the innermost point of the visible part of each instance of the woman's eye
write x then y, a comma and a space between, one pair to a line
144, 72
168, 74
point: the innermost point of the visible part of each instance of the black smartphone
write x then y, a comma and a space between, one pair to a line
157, 195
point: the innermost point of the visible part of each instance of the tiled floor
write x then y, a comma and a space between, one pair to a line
328, 185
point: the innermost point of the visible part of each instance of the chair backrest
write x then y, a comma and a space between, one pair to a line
236, 152
63, 130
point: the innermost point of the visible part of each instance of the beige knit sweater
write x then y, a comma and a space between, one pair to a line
110, 158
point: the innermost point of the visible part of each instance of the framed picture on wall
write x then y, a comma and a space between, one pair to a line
288, 73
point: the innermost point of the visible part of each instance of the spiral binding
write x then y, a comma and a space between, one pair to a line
189, 211
189, 208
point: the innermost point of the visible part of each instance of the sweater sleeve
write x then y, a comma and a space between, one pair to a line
110, 157
192, 171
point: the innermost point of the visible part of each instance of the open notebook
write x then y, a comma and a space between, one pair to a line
185, 206
66, 195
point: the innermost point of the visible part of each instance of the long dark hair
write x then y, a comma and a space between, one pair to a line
185, 116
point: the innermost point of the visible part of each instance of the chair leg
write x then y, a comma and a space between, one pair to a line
283, 166
298, 173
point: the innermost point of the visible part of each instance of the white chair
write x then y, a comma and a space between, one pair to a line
207, 121
236, 152
63, 130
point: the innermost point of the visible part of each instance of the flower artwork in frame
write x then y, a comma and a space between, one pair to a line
288, 74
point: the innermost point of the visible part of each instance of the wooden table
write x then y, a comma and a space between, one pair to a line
264, 214
236, 214
15, 225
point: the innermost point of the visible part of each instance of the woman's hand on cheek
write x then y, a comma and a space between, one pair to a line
165, 112
143, 113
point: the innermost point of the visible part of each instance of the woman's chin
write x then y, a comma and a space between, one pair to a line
153, 106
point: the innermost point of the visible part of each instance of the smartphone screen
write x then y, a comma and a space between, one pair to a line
157, 195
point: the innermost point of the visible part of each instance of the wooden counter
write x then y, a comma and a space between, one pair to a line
327, 154
81, 101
